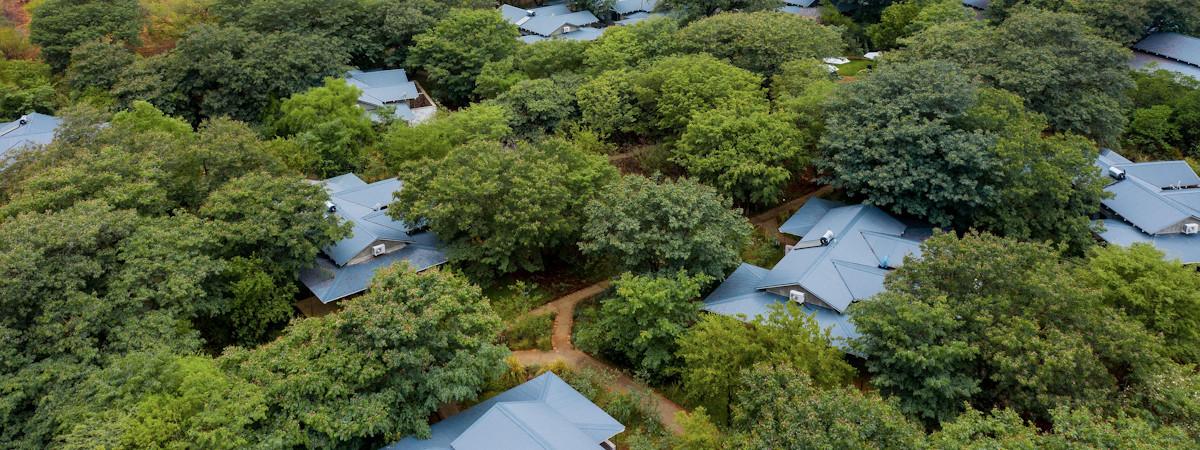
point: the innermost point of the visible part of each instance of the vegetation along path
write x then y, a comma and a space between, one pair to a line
564, 350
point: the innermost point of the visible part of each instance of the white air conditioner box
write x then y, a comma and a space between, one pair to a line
1191, 228
796, 296
378, 250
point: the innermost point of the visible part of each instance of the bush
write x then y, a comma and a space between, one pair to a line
532, 332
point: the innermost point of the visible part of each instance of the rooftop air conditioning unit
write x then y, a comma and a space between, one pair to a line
1191, 228
827, 237
378, 250
1116, 172
24, 120
329, 206
796, 296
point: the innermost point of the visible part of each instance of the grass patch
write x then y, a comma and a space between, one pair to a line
517, 298
532, 332
762, 250
853, 67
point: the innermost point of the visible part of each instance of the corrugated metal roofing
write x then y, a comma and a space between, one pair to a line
624, 7
1183, 247
1179, 47
800, 3
583, 34
383, 87
1148, 62
808, 216
977, 4
547, 19
543, 413
329, 282
38, 129
738, 297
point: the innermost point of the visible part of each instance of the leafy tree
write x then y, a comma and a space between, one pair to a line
1003, 428
327, 123
661, 96
161, 400
1078, 83
749, 155
542, 59
988, 321
538, 106
435, 138
227, 71
641, 322
503, 210
627, 46
1160, 294
917, 159
25, 87
909, 17
97, 65
645, 226
718, 348
800, 89
601, 8
760, 41
376, 370
699, 433
58, 26
455, 50
777, 406
1151, 130
689, 10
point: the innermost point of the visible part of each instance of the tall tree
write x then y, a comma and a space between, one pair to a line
689, 10
375, 371
641, 322
760, 41
1078, 83
58, 26
328, 126
642, 225
454, 51
503, 210
433, 139
627, 46
25, 87
674, 88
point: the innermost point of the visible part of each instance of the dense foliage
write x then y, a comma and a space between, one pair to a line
760, 41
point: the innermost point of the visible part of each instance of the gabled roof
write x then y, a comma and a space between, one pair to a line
364, 205
738, 297
382, 87
800, 3
624, 7
545, 20
1183, 247
1175, 46
543, 413
1148, 62
848, 268
1154, 195
29, 130
977, 4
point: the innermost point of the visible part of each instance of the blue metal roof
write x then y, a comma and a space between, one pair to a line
1175, 46
738, 297
583, 34
545, 20
383, 87
543, 413
977, 4
625, 7
1183, 247
364, 206
804, 219
37, 129
1148, 62
846, 270
800, 3
1154, 196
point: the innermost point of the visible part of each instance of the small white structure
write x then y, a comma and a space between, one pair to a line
392, 89
837, 61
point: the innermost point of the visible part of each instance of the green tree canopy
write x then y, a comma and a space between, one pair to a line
777, 406
987, 321
906, 18
58, 26
503, 210
750, 155
718, 348
1079, 78
374, 372
433, 139
455, 50
690, 10
328, 126
25, 87
627, 46
760, 41
642, 320
539, 106
97, 65
1003, 428
642, 225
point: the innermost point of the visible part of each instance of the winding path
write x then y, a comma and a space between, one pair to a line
564, 350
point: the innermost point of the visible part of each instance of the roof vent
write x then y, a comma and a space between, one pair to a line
883, 263
530, 12
378, 206
827, 237
1191, 228
1116, 172
378, 250
329, 206
23, 120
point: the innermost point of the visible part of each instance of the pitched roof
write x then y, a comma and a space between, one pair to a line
800, 3
848, 268
1147, 62
624, 7
364, 206
1175, 46
543, 413
382, 87
29, 130
977, 4
546, 20
739, 297
1153, 196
